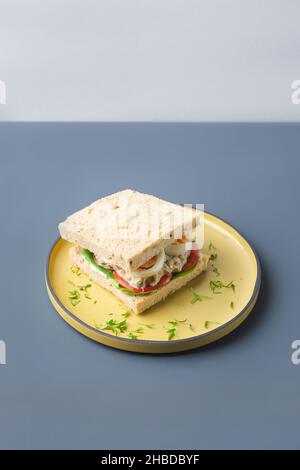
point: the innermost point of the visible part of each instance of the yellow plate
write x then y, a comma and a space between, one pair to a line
193, 324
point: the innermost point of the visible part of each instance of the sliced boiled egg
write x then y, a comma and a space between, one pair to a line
177, 248
152, 266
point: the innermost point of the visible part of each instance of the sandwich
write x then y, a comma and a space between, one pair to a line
139, 247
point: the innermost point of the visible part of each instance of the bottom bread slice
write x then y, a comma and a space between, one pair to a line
138, 303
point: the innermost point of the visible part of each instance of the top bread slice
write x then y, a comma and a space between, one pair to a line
127, 228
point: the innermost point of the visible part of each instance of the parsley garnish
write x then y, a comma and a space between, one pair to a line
126, 314
75, 270
198, 297
173, 328
216, 286
213, 257
231, 285
136, 333
210, 324
131, 335
85, 287
148, 325
74, 296
171, 332
212, 247
216, 271
175, 322
114, 326
232, 305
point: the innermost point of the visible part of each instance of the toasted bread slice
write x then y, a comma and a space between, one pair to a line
138, 303
128, 228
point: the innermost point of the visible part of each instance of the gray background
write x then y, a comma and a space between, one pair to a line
149, 60
61, 390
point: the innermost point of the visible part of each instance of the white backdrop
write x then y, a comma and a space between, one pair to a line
149, 60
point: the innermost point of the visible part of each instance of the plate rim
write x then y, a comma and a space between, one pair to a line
181, 341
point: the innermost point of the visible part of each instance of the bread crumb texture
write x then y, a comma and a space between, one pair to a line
127, 228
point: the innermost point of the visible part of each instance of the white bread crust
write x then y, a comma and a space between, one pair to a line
100, 227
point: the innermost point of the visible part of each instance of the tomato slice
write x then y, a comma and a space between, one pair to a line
163, 281
192, 260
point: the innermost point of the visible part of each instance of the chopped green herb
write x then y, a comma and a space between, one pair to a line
95, 301
139, 330
216, 271
232, 286
210, 324
191, 328
171, 332
114, 326
198, 297
75, 270
212, 247
175, 322
132, 335
232, 305
216, 286
213, 257
126, 314
75, 293
85, 287
74, 296
136, 333
148, 325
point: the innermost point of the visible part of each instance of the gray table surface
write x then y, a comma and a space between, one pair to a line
62, 390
